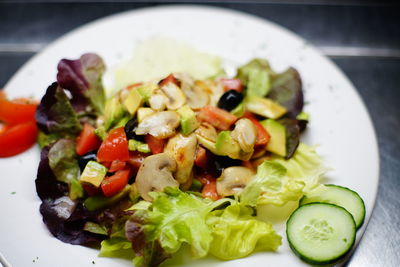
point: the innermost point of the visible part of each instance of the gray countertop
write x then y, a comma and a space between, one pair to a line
361, 37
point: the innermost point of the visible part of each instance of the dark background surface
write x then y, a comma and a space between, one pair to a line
361, 37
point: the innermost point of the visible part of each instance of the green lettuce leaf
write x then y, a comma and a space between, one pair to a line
63, 160
177, 217
279, 181
236, 233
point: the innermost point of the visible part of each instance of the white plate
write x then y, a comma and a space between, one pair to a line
339, 121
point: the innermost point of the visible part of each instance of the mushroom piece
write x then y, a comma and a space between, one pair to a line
207, 131
155, 174
160, 124
197, 97
158, 101
233, 180
183, 150
175, 96
245, 134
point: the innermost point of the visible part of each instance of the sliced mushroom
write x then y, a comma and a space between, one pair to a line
182, 149
160, 124
214, 91
233, 180
175, 96
196, 94
155, 174
158, 101
245, 134
207, 131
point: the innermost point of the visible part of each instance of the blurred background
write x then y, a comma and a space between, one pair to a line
361, 37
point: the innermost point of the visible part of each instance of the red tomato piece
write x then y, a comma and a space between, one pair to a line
210, 190
232, 84
17, 138
117, 165
87, 140
201, 158
156, 145
114, 147
113, 184
262, 134
136, 159
17, 111
217, 117
169, 79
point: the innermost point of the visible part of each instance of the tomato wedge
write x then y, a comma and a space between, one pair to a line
232, 84
217, 117
87, 140
156, 145
169, 79
201, 158
114, 147
136, 159
117, 165
113, 184
17, 138
17, 111
262, 134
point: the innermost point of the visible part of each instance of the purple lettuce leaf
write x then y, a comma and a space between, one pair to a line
292, 135
287, 90
82, 77
55, 115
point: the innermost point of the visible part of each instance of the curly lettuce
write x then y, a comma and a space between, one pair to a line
236, 233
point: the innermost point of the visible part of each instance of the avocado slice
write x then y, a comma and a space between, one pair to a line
133, 101
239, 110
277, 132
226, 145
189, 122
134, 145
113, 112
75, 189
146, 90
264, 107
93, 174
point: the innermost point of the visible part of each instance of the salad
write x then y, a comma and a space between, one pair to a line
178, 161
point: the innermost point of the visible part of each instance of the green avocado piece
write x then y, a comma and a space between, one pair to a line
113, 112
134, 145
189, 122
75, 189
93, 174
277, 132
133, 101
239, 110
226, 145
146, 90
264, 107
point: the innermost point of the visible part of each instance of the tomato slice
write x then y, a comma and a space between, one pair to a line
201, 158
262, 134
136, 159
113, 184
232, 84
17, 138
17, 111
87, 140
114, 147
117, 165
156, 145
217, 117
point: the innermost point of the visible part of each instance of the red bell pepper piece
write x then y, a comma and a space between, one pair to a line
87, 140
114, 147
15, 139
217, 117
232, 84
113, 184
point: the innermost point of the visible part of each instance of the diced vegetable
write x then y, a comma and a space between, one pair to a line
210, 190
117, 165
277, 144
139, 146
201, 157
133, 101
114, 147
217, 117
156, 145
264, 107
87, 140
114, 184
93, 174
232, 84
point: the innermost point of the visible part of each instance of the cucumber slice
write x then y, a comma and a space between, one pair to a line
343, 197
320, 233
